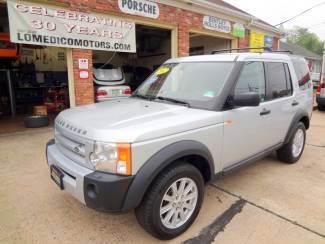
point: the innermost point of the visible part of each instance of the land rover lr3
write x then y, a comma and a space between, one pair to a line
193, 119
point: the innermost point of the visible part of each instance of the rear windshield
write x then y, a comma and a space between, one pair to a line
108, 75
196, 83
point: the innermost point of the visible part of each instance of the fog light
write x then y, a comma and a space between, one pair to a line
92, 191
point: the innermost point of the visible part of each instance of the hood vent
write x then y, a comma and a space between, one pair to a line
68, 126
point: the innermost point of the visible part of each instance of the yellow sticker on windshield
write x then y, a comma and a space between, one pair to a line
162, 70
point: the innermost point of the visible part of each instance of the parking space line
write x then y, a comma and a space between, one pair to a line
313, 145
268, 210
208, 234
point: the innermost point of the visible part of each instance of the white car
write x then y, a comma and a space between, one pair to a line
105, 93
110, 83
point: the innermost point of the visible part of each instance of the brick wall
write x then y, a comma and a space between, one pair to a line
84, 88
275, 44
168, 15
183, 41
244, 42
180, 18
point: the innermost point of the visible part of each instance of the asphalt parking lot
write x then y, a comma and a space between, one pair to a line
266, 202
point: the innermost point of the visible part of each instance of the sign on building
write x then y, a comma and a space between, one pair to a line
256, 40
34, 23
268, 41
139, 7
238, 30
216, 24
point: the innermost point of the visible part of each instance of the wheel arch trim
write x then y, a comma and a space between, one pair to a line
157, 163
298, 117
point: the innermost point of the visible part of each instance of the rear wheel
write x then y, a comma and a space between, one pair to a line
173, 202
291, 152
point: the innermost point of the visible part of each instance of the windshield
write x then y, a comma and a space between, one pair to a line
197, 84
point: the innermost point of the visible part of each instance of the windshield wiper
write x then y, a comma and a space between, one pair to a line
146, 97
173, 100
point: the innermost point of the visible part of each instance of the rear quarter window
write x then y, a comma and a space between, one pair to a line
302, 73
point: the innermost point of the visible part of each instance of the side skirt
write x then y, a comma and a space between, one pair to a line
249, 160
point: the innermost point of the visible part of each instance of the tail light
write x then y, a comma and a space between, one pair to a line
127, 91
320, 87
101, 93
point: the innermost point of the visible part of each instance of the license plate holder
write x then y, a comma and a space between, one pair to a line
57, 176
116, 92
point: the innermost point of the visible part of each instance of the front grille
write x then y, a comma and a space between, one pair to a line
72, 145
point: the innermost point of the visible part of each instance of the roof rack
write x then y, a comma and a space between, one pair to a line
265, 49
282, 51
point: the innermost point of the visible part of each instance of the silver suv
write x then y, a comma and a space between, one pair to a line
194, 119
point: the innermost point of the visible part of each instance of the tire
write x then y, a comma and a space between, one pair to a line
321, 107
148, 213
287, 153
36, 121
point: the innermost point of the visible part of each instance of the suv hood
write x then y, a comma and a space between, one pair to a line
132, 120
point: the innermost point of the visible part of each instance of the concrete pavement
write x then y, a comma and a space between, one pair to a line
266, 202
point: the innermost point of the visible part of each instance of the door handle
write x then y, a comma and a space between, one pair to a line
294, 103
265, 112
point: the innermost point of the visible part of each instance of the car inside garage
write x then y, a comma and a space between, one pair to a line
118, 74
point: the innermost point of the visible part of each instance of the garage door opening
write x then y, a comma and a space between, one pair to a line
117, 74
204, 44
33, 79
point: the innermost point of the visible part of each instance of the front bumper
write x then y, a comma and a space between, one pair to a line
97, 190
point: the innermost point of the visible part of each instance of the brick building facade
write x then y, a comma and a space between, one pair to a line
180, 17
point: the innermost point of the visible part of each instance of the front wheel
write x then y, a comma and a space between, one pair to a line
173, 202
291, 152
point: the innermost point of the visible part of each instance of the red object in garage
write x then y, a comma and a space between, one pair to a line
56, 101
7, 48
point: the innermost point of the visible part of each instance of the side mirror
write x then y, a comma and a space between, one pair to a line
247, 99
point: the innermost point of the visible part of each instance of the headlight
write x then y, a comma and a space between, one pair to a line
112, 158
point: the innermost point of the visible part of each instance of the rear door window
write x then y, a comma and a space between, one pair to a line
277, 81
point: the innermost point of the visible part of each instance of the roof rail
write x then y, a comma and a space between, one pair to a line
282, 51
265, 49
241, 49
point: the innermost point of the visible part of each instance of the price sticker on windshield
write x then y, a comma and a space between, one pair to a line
162, 70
